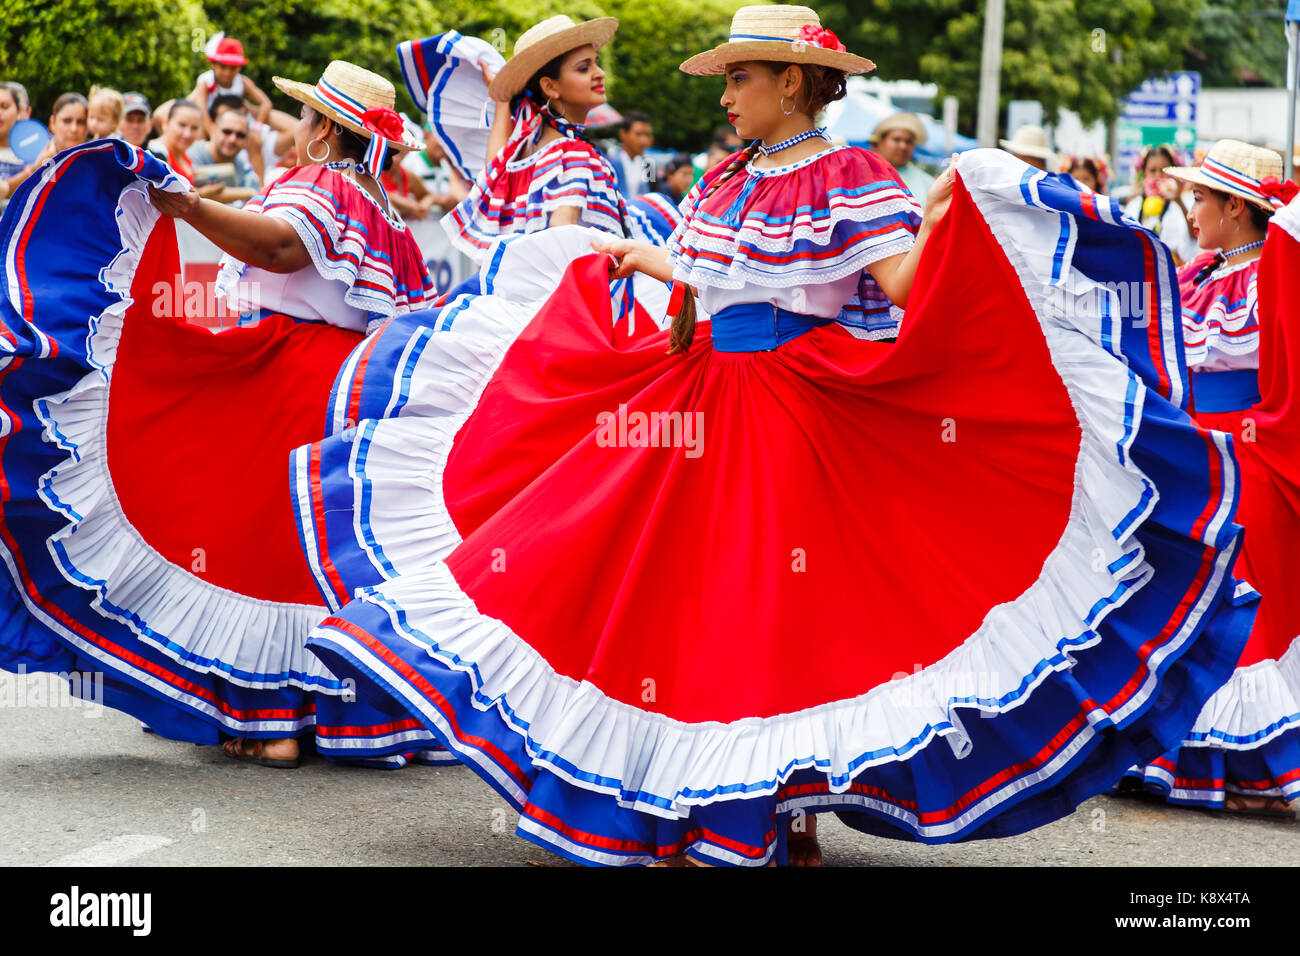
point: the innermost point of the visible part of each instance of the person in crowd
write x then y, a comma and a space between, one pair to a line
227, 146
67, 123
201, 427
539, 170
226, 78
105, 110
1088, 171
182, 130
723, 143
13, 104
677, 177
1159, 203
137, 119
270, 130
635, 136
440, 178
20, 96
1244, 752
896, 138
67, 129
406, 192
1029, 145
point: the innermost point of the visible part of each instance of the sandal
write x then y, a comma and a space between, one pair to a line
236, 749
1242, 805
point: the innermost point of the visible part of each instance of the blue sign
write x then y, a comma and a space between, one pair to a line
1170, 88
1153, 112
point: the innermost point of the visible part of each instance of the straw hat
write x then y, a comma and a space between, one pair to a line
1028, 141
779, 33
1236, 168
542, 43
344, 93
908, 122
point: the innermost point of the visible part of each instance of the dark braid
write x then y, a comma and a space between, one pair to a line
682, 332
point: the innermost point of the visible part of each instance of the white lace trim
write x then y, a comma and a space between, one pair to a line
1261, 701
738, 272
178, 613
652, 758
387, 301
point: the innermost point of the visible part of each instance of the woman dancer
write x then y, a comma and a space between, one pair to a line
1159, 205
147, 533
656, 600
537, 171
1243, 754
184, 127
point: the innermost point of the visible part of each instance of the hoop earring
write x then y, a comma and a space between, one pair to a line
560, 114
318, 159
1236, 226
790, 111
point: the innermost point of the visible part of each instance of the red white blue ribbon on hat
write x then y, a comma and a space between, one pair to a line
808, 35
1234, 179
383, 123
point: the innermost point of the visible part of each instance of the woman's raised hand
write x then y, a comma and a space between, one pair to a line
940, 195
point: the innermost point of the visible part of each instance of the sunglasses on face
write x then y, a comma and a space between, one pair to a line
234, 133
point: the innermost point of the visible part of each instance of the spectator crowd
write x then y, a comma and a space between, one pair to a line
226, 137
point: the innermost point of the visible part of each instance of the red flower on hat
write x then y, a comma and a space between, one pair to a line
1280, 192
385, 122
820, 36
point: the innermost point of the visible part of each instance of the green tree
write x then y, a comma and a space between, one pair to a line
1236, 38
298, 38
1085, 56
652, 41
55, 46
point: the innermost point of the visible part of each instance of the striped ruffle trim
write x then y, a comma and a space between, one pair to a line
417, 637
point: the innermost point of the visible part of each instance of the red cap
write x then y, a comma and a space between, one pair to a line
229, 51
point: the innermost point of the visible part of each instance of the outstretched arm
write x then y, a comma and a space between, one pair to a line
894, 274
501, 121
261, 241
501, 126
261, 102
634, 255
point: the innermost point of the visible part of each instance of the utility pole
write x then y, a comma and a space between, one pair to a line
986, 121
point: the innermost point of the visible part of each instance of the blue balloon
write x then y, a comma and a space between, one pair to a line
27, 138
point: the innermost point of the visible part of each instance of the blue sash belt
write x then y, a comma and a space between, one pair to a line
759, 327
1224, 391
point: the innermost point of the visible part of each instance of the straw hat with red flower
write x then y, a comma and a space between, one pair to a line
360, 101
779, 33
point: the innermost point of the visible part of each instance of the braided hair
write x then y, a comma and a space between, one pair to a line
682, 332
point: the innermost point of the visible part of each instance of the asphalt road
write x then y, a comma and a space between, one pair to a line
81, 786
